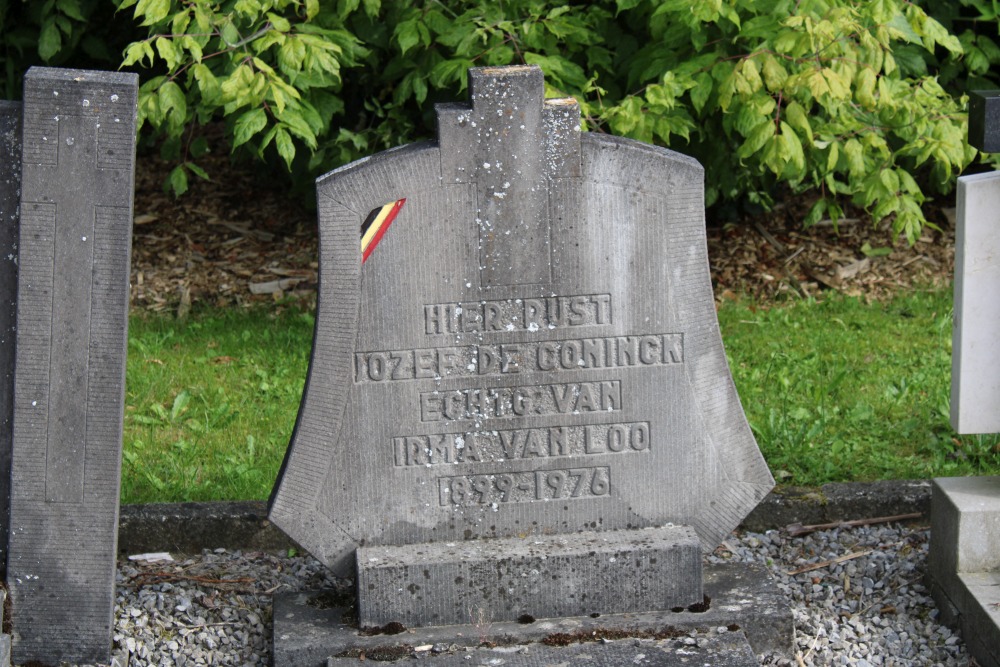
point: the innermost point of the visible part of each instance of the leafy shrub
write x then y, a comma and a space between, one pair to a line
839, 97
71, 33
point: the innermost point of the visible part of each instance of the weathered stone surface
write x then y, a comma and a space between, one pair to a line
614, 572
307, 630
975, 374
984, 120
75, 237
531, 348
965, 525
963, 564
10, 193
729, 649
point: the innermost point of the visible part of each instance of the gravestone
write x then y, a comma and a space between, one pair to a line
10, 194
964, 557
77, 175
518, 357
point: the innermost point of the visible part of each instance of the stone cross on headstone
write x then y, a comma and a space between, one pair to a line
77, 175
964, 557
522, 374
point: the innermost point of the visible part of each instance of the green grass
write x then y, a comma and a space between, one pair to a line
211, 403
837, 390
846, 391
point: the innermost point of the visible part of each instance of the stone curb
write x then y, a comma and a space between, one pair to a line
191, 527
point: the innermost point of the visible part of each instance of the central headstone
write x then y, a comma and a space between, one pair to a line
516, 339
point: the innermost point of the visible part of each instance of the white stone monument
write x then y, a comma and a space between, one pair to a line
964, 561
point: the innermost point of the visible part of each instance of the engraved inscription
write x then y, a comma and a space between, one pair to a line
527, 401
518, 314
520, 444
534, 356
524, 487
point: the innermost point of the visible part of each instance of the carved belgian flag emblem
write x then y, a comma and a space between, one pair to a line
376, 224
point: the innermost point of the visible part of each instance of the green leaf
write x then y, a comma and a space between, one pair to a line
247, 125
868, 251
49, 41
757, 139
407, 35
168, 52
180, 405
197, 171
798, 119
71, 8
312, 9
285, 146
178, 180
154, 11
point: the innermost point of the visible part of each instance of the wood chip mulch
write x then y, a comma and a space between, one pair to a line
238, 240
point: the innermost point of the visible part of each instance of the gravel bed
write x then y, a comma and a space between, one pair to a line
865, 604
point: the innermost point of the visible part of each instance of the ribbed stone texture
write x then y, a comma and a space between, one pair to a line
531, 348
534, 577
75, 238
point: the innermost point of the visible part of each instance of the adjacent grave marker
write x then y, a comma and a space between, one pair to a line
531, 349
10, 194
75, 239
963, 562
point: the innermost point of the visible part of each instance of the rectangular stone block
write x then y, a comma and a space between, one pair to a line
10, 194
965, 525
78, 163
538, 576
984, 120
975, 369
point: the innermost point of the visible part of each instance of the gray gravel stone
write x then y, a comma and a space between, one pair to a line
869, 610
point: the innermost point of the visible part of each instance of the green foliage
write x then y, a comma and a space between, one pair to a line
860, 102
72, 33
825, 95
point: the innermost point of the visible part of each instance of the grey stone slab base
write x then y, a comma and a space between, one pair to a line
542, 576
743, 597
964, 560
972, 603
729, 649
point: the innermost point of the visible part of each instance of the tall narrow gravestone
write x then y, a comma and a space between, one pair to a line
964, 558
10, 194
516, 355
72, 305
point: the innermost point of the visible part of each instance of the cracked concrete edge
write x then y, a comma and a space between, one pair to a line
243, 525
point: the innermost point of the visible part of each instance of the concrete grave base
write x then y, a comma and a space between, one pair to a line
972, 603
964, 560
742, 597
728, 649
540, 576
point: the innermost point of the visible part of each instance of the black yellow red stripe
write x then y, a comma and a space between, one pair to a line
375, 226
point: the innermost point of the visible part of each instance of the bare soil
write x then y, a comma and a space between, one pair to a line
240, 239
